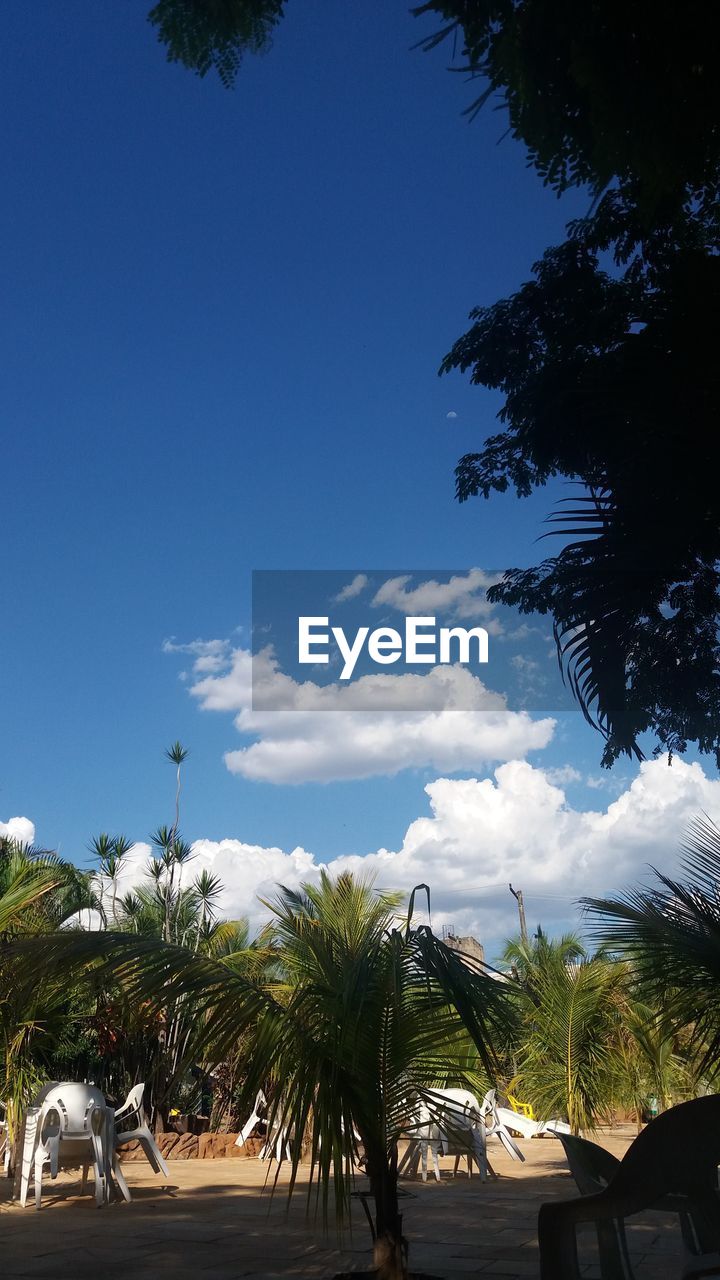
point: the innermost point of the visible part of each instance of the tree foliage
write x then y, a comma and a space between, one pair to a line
620, 91
609, 380
38, 894
207, 35
606, 358
670, 932
568, 1054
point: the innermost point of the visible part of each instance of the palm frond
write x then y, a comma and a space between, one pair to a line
670, 933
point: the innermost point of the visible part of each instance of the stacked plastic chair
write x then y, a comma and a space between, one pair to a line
68, 1122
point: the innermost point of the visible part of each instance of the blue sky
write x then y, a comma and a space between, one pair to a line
223, 314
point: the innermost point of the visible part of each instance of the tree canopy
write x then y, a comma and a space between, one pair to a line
207, 35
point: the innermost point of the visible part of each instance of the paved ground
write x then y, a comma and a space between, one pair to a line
213, 1218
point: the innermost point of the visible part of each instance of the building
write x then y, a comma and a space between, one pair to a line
469, 949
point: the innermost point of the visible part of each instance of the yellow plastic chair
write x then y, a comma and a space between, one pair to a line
522, 1108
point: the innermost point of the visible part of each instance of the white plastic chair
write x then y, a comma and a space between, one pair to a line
69, 1122
446, 1122
496, 1127
258, 1111
277, 1142
277, 1139
462, 1131
526, 1127
131, 1126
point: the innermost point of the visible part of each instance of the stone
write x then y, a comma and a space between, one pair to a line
186, 1148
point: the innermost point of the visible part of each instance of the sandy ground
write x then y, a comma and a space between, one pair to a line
215, 1218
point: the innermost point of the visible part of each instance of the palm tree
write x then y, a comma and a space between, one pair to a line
141, 1042
568, 1055
657, 1062
358, 1016
173, 856
670, 933
110, 852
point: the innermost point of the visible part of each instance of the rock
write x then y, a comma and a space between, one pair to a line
213, 1146
190, 1146
221, 1146
129, 1151
186, 1148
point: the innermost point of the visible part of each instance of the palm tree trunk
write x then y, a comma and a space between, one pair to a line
390, 1246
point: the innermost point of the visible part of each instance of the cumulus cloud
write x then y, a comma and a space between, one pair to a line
480, 834
462, 596
518, 826
21, 830
352, 589
323, 733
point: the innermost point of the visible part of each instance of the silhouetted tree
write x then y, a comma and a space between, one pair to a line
214, 34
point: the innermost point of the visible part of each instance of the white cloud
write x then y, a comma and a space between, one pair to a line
22, 830
481, 834
518, 827
462, 596
352, 589
563, 775
323, 733
209, 655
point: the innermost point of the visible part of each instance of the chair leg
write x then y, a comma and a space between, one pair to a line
510, 1145
39, 1159
407, 1158
152, 1152
558, 1246
98, 1152
480, 1153
149, 1153
25, 1180
26, 1147
120, 1178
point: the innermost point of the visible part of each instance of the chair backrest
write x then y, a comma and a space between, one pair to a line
78, 1108
42, 1093
522, 1108
591, 1166
133, 1102
452, 1116
678, 1153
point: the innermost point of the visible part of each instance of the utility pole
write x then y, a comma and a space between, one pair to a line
521, 912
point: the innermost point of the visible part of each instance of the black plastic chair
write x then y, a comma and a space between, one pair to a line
591, 1166
672, 1165
593, 1169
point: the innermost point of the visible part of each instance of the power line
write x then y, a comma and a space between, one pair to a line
476, 890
